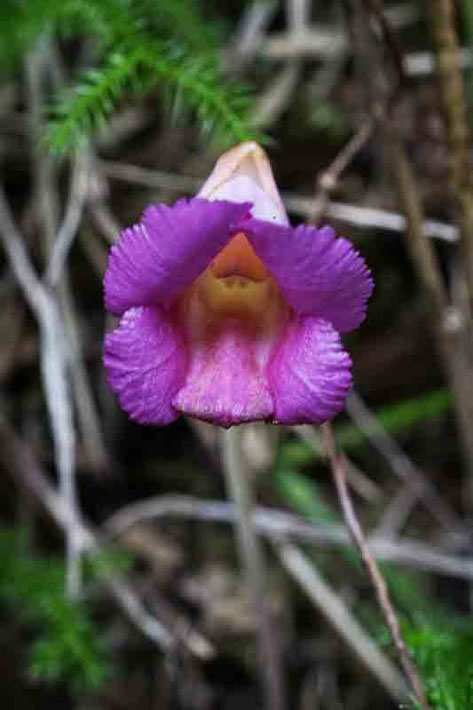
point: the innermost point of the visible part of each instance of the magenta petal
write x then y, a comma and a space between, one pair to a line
318, 274
157, 259
145, 362
309, 375
226, 381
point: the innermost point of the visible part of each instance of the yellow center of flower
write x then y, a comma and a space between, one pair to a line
237, 282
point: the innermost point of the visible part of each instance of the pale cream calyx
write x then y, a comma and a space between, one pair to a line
243, 174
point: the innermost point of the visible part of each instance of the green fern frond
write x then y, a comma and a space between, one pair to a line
135, 54
108, 21
179, 19
86, 108
22, 23
445, 657
68, 646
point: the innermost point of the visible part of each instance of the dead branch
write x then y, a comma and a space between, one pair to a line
337, 464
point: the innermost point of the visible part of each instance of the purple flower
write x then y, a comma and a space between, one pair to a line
228, 313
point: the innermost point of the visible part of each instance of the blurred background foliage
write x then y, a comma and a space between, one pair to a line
136, 48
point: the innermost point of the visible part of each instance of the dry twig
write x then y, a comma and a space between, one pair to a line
333, 608
251, 554
18, 460
402, 465
337, 464
447, 325
328, 179
46, 60
72, 218
362, 217
54, 371
443, 19
278, 525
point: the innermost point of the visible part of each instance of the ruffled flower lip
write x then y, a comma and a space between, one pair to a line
230, 318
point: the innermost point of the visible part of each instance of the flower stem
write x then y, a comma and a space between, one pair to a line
239, 489
338, 466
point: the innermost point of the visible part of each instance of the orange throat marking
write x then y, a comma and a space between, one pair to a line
237, 282
238, 258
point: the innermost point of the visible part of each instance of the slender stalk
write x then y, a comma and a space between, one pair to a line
365, 217
44, 171
239, 489
450, 328
328, 179
56, 383
54, 372
278, 525
443, 21
341, 618
19, 462
402, 466
447, 324
65, 230
337, 464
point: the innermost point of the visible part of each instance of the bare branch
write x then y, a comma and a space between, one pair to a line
333, 608
328, 179
357, 478
397, 512
444, 26
18, 460
249, 35
449, 332
402, 465
276, 96
53, 366
252, 559
337, 464
280, 525
363, 217
72, 218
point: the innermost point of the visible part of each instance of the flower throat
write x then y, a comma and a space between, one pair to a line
236, 283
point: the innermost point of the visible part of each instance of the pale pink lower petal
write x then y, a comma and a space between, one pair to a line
145, 361
156, 260
318, 274
309, 375
226, 382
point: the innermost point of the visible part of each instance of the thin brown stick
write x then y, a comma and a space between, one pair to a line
19, 462
448, 331
300, 205
443, 20
442, 15
337, 464
339, 616
72, 218
328, 179
404, 468
278, 525
56, 238
252, 559
88, 420
54, 370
